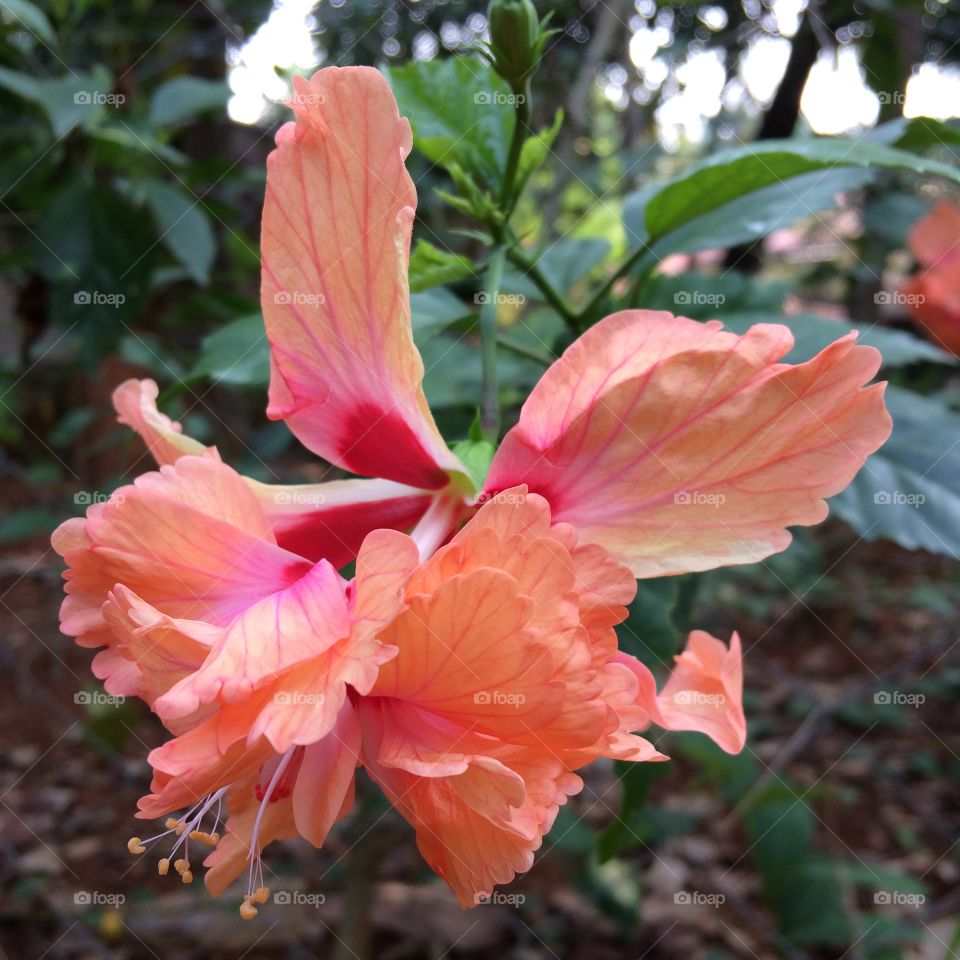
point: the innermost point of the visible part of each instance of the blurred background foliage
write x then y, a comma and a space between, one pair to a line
132, 146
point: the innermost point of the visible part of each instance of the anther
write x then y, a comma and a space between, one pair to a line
135, 846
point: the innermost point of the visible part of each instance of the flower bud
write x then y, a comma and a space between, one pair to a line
515, 39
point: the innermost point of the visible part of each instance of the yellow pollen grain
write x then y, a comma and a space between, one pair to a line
181, 865
163, 866
260, 895
247, 910
135, 846
186, 877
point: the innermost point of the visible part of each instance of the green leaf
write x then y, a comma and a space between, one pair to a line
435, 310
909, 491
761, 212
917, 134
733, 173
30, 16
430, 267
706, 296
185, 228
96, 250
78, 98
890, 216
741, 194
128, 138
637, 779
452, 373
650, 632
813, 332
799, 883
183, 98
236, 354
460, 111
534, 151
635, 216
476, 456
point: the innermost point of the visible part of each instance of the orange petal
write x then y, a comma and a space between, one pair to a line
345, 374
934, 300
195, 764
936, 236
280, 631
679, 447
190, 540
161, 649
325, 784
318, 521
465, 652
704, 691
479, 827
136, 404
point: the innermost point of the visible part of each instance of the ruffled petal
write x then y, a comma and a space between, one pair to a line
158, 650
678, 446
704, 691
318, 521
481, 825
190, 541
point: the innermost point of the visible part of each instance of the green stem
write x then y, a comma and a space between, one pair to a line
635, 258
490, 411
520, 130
550, 293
